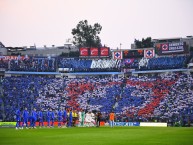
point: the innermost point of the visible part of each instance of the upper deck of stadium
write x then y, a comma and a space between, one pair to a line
167, 54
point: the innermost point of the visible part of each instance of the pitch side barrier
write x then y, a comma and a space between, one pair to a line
154, 124
126, 123
147, 124
150, 124
7, 124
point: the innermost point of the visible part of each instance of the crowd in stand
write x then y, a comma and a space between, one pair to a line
166, 62
4, 63
33, 65
132, 63
30, 64
50, 64
159, 63
178, 102
89, 65
164, 97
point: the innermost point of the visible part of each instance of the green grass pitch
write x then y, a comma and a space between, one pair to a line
98, 136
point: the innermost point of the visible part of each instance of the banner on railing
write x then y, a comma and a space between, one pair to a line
126, 123
94, 52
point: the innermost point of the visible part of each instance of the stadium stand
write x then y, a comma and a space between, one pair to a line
4, 64
88, 65
30, 64
164, 97
166, 62
132, 63
33, 64
43, 64
161, 95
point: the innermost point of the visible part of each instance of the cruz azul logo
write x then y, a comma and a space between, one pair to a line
164, 47
149, 53
117, 55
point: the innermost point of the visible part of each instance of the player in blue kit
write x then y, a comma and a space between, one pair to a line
25, 118
52, 118
40, 119
34, 114
18, 118
48, 117
70, 118
65, 117
32, 121
59, 119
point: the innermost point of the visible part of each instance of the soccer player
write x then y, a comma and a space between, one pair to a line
65, 117
35, 116
48, 117
80, 118
59, 118
83, 117
40, 118
89, 119
52, 118
93, 119
74, 117
98, 119
25, 118
111, 119
32, 121
70, 118
18, 118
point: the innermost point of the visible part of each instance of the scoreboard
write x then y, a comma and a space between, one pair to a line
133, 53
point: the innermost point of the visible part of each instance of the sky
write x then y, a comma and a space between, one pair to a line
50, 22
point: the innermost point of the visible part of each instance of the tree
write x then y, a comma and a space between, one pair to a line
87, 35
145, 43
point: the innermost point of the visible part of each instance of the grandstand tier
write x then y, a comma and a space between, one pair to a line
164, 97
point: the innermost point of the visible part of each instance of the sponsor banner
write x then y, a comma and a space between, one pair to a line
7, 124
83, 51
117, 55
171, 48
126, 123
64, 69
12, 57
104, 51
149, 53
153, 124
94, 51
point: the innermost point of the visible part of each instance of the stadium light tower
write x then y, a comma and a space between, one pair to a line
120, 46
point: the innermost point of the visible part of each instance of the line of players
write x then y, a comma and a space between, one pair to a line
66, 118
